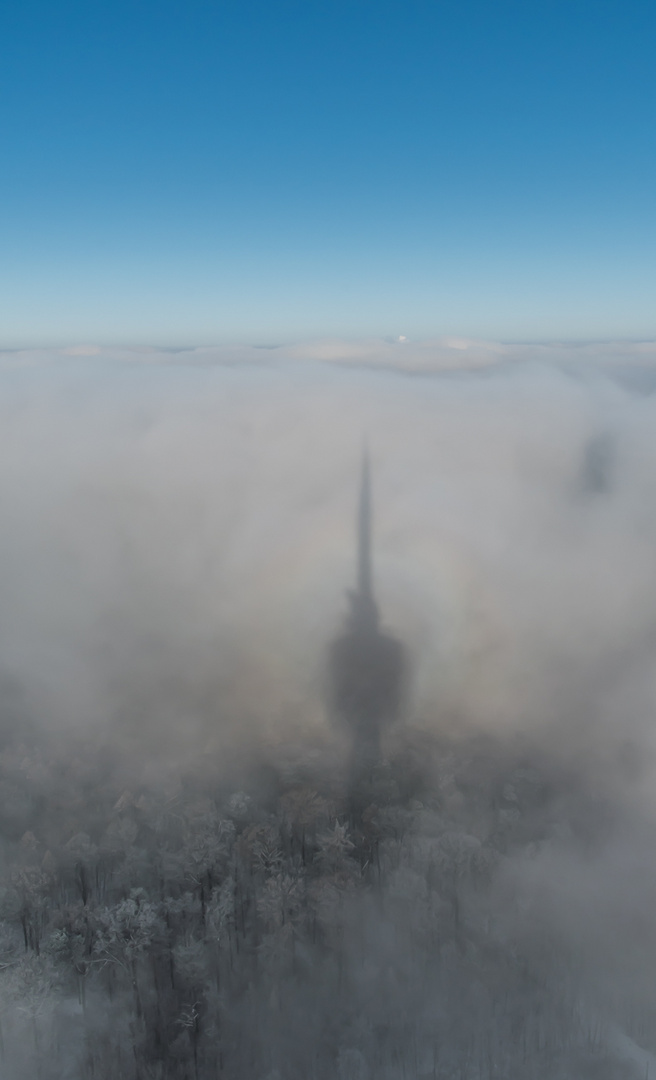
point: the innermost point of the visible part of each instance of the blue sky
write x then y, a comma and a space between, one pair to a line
199, 172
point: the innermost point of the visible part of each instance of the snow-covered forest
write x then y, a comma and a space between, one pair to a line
205, 931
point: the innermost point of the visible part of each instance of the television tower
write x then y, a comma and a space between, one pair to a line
366, 664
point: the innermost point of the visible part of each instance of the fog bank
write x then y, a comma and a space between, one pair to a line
179, 536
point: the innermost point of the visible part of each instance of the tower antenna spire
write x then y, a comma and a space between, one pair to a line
364, 579
364, 612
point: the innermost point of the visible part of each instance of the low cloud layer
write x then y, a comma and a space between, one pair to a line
183, 517
432, 356
179, 536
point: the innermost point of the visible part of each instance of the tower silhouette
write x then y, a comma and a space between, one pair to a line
366, 664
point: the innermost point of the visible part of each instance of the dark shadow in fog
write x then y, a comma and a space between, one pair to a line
366, 665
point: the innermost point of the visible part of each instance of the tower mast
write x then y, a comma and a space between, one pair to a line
364, 613
364, 582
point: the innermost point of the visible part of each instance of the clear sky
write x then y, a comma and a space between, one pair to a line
212, 170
